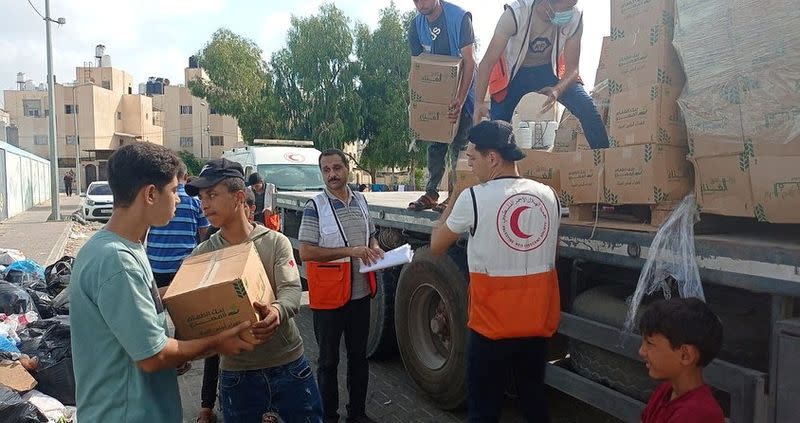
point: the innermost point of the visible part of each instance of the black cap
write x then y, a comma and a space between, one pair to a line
213, 173
497, 135
254, 179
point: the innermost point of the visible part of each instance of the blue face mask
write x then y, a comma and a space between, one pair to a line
562, 18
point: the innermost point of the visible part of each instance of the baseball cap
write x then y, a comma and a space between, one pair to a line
254, 179
497, 135
213, 173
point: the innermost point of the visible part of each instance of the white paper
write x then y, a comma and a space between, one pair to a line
396, 257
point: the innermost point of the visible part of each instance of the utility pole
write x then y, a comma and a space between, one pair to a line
55, 212
77, 144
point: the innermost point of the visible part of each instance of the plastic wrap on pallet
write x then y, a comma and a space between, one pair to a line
671, 261
718, 40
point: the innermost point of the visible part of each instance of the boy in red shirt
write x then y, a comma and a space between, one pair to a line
680, 336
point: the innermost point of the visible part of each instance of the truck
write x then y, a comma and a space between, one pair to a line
750, 274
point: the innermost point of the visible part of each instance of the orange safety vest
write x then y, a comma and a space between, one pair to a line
330, 283
513, 284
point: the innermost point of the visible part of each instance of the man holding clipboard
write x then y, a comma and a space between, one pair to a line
335, 233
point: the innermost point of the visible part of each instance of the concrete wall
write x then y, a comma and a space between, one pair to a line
24, 180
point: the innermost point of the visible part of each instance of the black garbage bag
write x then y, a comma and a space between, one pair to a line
57, 275
61, 302
43, 302
15, 300
49, 341
14, 409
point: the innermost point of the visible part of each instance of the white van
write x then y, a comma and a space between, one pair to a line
289, 165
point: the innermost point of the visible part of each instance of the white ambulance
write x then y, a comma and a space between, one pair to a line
289, 165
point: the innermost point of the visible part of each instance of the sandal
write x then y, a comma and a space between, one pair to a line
271, 417
183, 368
206, 415
440, 208
424, 202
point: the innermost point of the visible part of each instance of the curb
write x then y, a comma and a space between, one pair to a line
61, 244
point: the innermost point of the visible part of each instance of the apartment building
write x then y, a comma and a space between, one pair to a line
5, 123
190, 124
95, 115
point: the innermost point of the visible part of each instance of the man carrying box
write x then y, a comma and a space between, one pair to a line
275, 377
124, 362
523, 56
443, 28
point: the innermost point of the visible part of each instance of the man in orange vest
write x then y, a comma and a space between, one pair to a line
513, 286
336, 236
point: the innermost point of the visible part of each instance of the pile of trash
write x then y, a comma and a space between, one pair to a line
37, 383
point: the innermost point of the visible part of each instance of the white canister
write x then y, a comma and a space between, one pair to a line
543, 134
524, 136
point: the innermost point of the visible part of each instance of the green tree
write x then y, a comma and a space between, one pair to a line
239, 84
193, 164
384, 63
316, 79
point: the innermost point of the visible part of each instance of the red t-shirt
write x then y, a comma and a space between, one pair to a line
695, 406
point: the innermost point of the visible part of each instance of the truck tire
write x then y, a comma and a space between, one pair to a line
606, 304
381, 341
431, 325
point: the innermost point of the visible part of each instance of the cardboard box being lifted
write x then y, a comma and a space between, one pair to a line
215, 291
434, 78
430, 122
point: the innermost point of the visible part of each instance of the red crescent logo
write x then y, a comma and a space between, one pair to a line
514, 223
294, 157
536, 223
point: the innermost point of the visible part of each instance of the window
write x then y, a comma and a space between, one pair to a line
187, 142
106, 85
119, 115
213, 111
216, 140
32, 108
71, 109
186, 110
72, 140
40, 139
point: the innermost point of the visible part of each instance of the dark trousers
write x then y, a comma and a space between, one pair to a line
68, 188
574, 98
489, 364
163, 279
208, 391
352, 320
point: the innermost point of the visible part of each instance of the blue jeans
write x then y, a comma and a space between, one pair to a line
437, 152
489, 364
289, 390
574, 98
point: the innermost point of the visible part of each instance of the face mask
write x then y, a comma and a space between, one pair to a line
561, 18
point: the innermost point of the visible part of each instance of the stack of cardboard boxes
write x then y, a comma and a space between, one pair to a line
646, 163
433, 84
741, 105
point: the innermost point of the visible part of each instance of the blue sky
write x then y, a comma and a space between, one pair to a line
156, 37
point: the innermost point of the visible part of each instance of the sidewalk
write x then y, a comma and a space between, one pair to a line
38, 239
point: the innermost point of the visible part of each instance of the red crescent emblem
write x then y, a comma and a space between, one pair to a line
514, 222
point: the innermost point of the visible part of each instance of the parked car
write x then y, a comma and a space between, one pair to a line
99, 202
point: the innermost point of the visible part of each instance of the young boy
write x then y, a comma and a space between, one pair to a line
679, 337
275, 376
124, 362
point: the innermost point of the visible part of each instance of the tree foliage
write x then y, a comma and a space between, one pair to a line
315, 80
239, 83
193, 164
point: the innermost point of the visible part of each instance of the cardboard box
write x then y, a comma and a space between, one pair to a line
776, 188
602, 99
713, 119
635, 64
430, 122
646, 174
434, 78
464, 176
215, 291
602, 64
541, 166
529, 109
647, 116
581, 143
641, 15
566, 134
722, 185
16, 377
771, 110
581, 177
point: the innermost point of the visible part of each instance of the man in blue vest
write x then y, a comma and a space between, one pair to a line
443, 28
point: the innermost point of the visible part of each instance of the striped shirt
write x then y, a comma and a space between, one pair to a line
167, 246
352, 220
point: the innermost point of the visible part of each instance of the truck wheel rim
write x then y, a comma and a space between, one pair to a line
429, 326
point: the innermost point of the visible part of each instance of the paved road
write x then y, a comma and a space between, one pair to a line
392, 396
